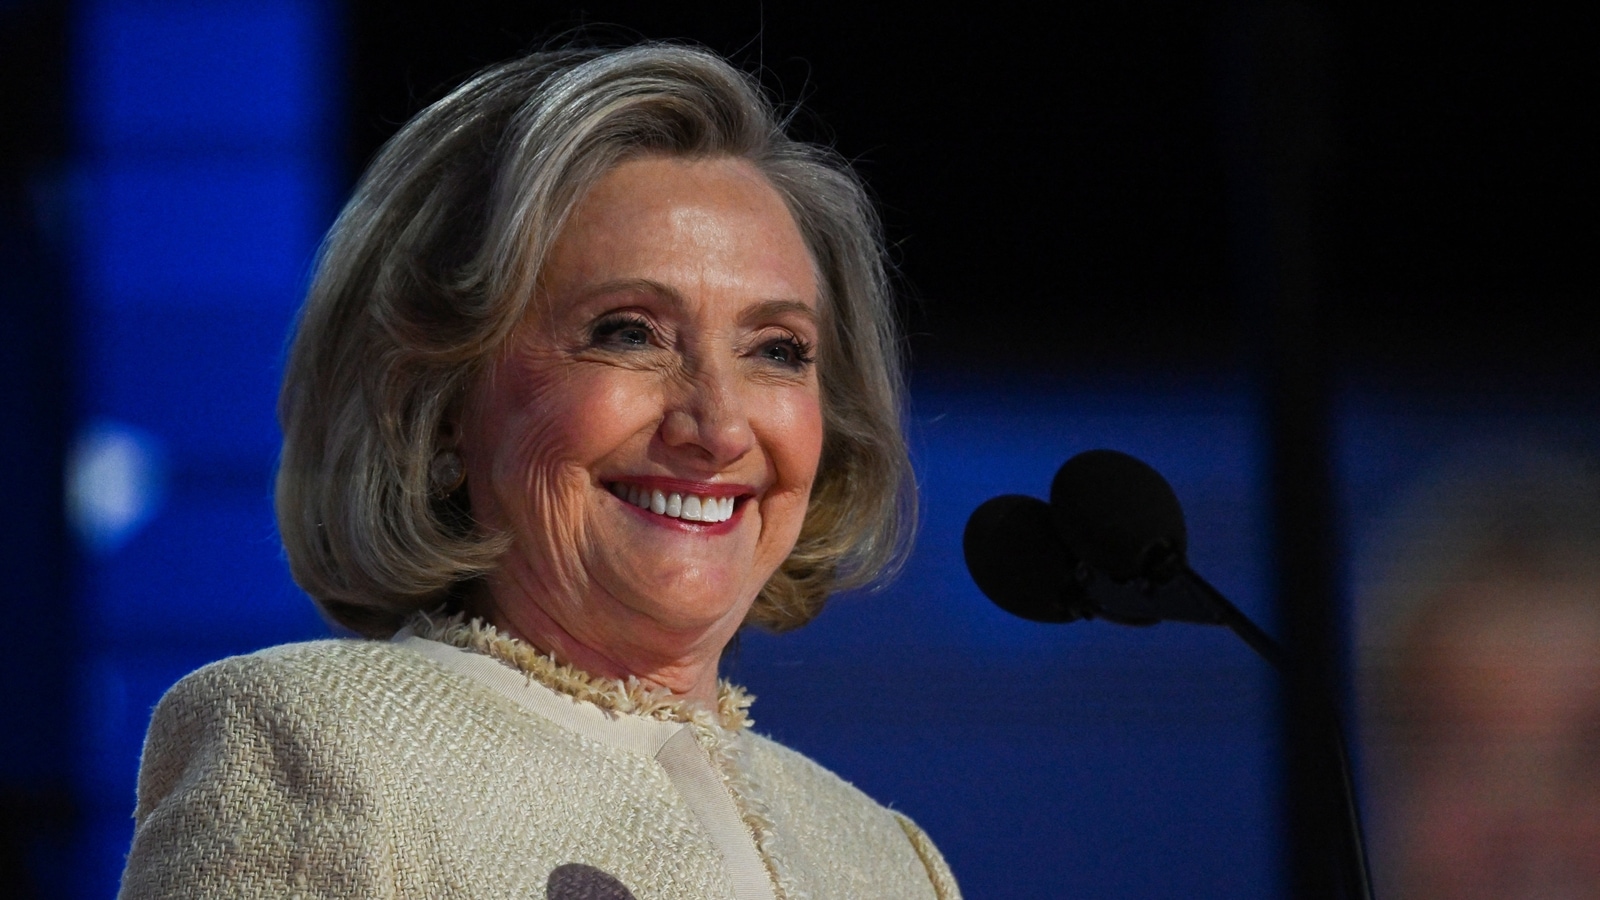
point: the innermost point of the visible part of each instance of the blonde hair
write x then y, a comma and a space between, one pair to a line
436, 258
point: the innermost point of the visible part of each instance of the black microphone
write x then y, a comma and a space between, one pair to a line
1119, 515
1110, 544
1013, 553
1123, 521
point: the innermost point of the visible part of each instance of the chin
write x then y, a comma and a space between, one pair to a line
693, 609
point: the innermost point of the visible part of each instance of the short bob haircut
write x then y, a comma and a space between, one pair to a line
436, 258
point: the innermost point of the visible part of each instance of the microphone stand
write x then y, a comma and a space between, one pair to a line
1306, 689
1062, 585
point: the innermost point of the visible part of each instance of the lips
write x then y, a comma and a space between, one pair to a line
682, 505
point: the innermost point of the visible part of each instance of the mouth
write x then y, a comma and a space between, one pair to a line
685, 506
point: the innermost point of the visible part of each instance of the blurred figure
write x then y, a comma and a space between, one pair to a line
1481, 671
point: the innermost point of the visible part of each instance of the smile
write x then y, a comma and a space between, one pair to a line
688, 507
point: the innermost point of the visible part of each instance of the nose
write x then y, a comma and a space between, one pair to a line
708, 417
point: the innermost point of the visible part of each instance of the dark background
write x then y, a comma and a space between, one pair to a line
1202, 233
1063, 186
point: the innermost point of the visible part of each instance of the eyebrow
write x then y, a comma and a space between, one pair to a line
636, 286
764, 309
768, 309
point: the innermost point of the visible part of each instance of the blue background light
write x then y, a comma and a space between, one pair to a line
205, 170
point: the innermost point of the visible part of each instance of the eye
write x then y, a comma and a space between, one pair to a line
621, 331
789, 350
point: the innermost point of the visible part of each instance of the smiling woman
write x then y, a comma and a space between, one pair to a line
669, 355
598, 367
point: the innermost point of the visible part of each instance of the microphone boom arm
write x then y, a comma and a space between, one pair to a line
1307, 689
1111, 544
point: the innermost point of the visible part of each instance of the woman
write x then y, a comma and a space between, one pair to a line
598, 366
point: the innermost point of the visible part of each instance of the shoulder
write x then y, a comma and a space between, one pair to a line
235, 705
312, 669
847, 834
340, 685
790, 772
292, 681
245, 754
317, 699
334, 680
359, 708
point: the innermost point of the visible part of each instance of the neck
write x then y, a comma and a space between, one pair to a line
686, 667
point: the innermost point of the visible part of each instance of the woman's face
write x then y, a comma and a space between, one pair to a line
667, 365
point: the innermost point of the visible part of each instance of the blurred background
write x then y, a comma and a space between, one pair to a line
1291, 254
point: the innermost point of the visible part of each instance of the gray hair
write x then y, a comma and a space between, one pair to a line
436, 258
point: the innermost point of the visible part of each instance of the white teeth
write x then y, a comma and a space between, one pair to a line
688, 507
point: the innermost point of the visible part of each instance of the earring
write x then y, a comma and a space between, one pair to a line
446, 473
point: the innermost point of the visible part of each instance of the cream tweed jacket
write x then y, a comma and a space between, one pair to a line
454, 761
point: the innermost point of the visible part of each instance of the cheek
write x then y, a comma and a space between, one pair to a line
795, 427
533, 443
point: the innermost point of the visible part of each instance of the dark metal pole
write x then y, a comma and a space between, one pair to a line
1278, 99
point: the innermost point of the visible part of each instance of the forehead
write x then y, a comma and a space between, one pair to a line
716, 220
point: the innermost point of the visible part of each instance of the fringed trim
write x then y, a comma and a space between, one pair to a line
718, 733
726, 750
630, 697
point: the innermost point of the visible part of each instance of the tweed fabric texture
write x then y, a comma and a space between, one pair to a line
367, 769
